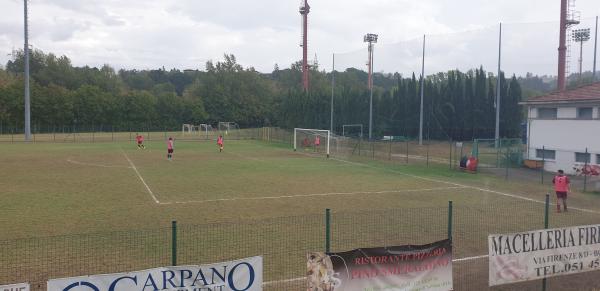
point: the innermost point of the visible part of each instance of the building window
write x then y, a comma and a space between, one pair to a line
545, 154
597, 159
585, 113
582, 158
547, 113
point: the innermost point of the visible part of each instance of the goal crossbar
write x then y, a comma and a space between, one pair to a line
320, 132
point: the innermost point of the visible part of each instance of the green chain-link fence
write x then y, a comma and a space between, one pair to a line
284, 241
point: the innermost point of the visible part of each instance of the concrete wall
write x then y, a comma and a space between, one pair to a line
566, 135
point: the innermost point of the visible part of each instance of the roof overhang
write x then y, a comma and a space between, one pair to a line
561, 102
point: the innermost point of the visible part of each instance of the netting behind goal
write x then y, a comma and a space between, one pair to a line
316, 141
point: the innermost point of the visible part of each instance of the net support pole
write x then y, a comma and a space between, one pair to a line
422, 94
332, 91
595, 50
497, 135
27, 96
585, 171
546, 212
327, 230
450, 220
371, 92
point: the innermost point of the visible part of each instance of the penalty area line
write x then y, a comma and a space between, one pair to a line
140, 177
318, 195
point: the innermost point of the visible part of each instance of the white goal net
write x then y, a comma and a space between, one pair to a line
312, 140
229, 128
200, 130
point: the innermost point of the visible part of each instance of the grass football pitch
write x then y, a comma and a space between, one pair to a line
63, 188
53, 189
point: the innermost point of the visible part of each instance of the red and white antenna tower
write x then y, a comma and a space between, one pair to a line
304, 10
568, 18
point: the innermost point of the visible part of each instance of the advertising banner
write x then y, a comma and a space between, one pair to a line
15, 287
425, 267
538, 254
240, 275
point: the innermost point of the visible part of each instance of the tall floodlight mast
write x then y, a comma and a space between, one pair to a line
370, 38
304, 10
581, 36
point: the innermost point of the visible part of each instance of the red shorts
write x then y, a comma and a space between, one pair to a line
170, 151
140, 142
562, 195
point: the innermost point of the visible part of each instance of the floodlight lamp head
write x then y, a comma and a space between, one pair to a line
581, 35
370, 37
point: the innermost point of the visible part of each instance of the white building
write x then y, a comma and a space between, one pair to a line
562, 125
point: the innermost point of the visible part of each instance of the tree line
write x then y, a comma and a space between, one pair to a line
457, 105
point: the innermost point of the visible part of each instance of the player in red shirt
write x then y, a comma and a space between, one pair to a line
170, 149
140, 141
561, 186
220, 143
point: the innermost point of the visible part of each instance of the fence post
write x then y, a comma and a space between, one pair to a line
450, 220
406, 138
174, 243
327, 230
372, 149
507, 161
390, 149
427, 150
585, 170
546, 211
451, 148
543, 162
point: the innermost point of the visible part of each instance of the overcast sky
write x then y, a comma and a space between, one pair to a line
184, 34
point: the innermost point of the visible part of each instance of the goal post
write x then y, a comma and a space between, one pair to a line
347, 129
306, 139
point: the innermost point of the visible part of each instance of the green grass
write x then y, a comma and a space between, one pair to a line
256, 198
64, 188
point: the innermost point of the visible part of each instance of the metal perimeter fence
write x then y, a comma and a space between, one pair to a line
283, 242
508, 158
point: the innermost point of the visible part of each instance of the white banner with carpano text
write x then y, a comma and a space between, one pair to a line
240, 275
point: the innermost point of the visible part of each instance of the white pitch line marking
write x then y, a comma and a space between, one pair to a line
318, 195
304, 278
95, 165
466, 186
141, 178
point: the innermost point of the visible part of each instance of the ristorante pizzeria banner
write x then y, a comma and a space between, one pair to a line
426, 267
543, 253
240, 275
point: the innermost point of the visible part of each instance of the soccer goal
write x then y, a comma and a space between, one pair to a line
228, 127
196, 129
352, 130
312, 140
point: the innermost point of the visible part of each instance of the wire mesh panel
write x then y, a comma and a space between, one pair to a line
36, 260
